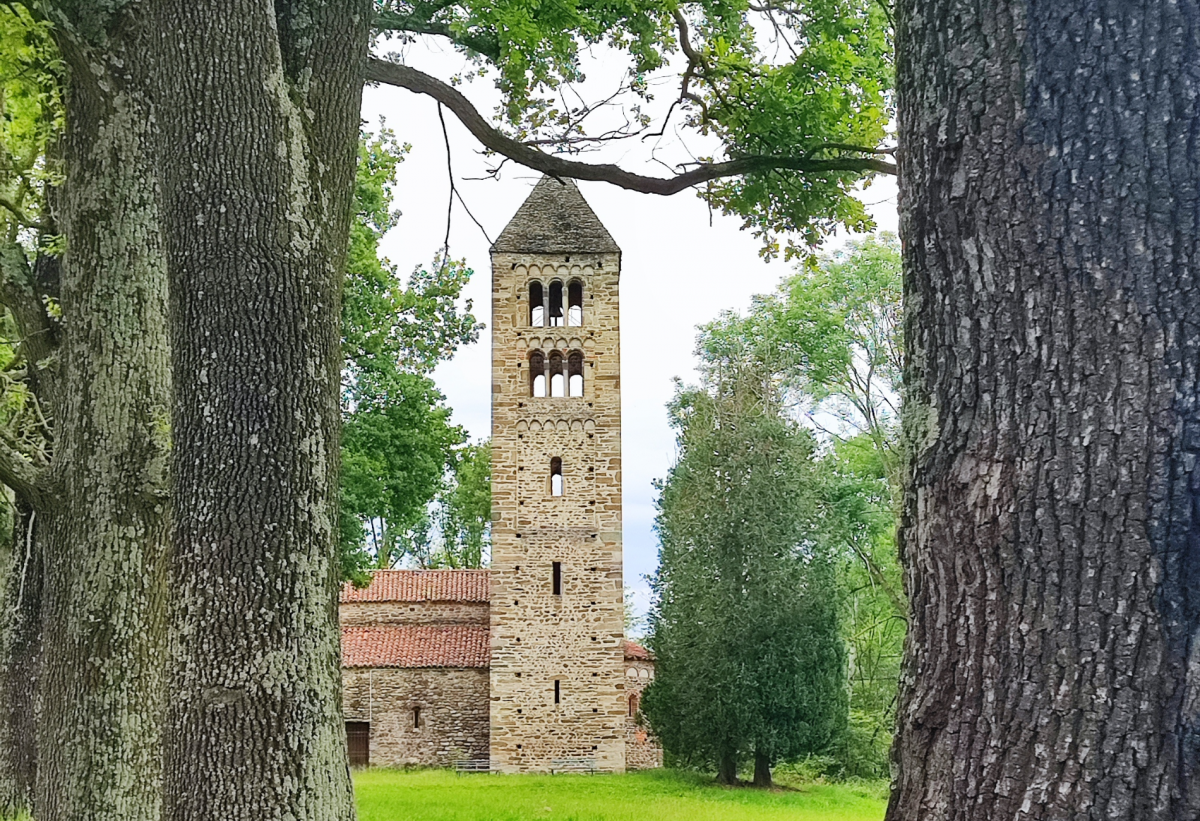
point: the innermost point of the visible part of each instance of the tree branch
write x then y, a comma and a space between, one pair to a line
381, 71
481, 44
38, 339
20, 216
25, 478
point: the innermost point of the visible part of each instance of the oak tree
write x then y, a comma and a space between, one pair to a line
1049, 186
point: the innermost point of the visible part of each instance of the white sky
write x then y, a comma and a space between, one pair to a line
677, 272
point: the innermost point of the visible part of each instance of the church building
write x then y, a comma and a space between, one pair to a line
524, 665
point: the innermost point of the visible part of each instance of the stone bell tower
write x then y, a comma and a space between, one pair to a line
557, 611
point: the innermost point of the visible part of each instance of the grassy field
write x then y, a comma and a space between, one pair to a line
435, 795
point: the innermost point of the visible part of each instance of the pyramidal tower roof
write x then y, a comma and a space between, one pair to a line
555, 219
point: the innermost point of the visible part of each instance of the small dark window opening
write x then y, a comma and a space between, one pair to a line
575, 303
537, 305
575, 374
556, 305
537, 374
557, 377
556, 477
416, 718
556, 578
557, 691
633, 704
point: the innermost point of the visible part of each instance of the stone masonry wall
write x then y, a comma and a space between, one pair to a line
453, 713
642, 750
539, 637
368, 614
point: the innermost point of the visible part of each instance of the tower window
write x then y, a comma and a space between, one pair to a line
556, 477
557, 690
556, 305
416, 718
575, 373
537, 374
575, 303
537, 305
556, 578
633, 704
557, 377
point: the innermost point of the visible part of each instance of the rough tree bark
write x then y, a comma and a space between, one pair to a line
102, 511
22, 288
1050, 181
20, 651
260, 111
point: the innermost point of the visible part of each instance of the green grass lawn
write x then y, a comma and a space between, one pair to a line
655, 795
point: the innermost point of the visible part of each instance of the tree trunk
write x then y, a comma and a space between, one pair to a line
105, 518
727, 770
1049, 184
762, 771
20, 650
261, 120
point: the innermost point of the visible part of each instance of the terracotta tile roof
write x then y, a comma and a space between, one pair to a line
416, 645
421, 585
633, 650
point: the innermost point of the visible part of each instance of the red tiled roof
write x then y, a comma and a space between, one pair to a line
416, 645
421, 585
633, 650
431, 645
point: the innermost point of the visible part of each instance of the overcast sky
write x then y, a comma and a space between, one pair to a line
677, 271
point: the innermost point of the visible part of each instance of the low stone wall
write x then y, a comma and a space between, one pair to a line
453, 713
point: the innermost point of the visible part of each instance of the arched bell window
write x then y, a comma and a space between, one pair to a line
557, 377
575, 374
537, 374
575, 303
537, 305
557, 320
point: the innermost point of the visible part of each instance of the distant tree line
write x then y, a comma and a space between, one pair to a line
413, 490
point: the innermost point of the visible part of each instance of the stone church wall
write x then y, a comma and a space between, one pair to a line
642, 751
453, 720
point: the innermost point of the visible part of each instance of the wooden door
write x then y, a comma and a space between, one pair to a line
358, 741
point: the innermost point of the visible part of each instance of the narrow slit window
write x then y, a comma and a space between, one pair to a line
575, 373
557, 690
537, 305
556, 305
633, 704
537, 374
556, 477
416, 718
557, 378
556, 578
575, 303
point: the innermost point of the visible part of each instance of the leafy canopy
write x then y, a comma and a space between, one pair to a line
828, 342
803, 80
399, 445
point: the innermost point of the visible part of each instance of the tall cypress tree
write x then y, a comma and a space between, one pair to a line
744, 622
